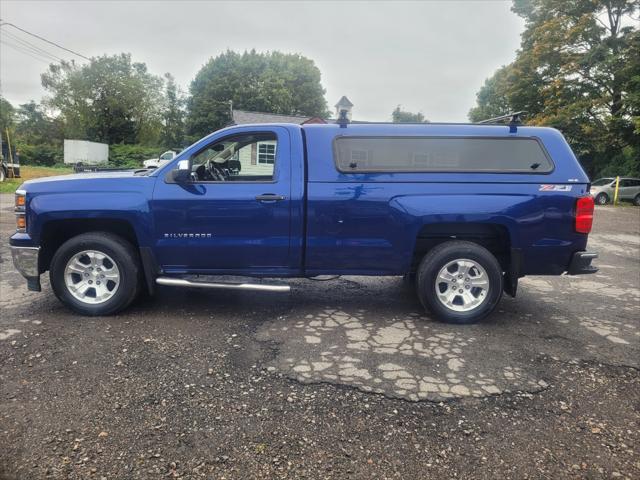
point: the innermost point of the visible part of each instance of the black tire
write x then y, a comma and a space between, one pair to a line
436, 260
636, 200
602, 199
126, 259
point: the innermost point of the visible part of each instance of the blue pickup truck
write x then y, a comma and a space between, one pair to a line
462, 210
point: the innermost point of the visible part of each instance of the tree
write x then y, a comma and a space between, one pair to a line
6, 116
173, 114
34, 126
492, 99
401, 116
271, 82
577, 70
111, 99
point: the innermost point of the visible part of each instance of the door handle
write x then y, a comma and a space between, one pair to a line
270, 197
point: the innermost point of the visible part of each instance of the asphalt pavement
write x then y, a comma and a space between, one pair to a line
342, 378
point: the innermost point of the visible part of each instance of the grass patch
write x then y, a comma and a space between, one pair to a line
29, 173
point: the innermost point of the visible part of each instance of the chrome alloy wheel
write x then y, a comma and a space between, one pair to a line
92, 277
462, 285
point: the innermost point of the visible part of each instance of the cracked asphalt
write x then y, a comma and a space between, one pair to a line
344, 378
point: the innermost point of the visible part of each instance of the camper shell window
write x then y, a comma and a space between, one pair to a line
441, 154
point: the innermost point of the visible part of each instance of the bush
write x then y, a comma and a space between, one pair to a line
45, 154
49, 155
626, 163
131, 155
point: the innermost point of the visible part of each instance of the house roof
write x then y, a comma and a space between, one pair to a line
241, 117
344, 102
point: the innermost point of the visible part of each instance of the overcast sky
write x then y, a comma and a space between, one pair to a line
428, 56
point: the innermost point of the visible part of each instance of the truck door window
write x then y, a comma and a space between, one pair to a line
241, 158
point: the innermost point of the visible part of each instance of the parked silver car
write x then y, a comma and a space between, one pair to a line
603, 190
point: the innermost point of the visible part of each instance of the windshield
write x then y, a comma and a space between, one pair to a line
602, 181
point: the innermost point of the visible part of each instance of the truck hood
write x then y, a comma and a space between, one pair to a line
123, 180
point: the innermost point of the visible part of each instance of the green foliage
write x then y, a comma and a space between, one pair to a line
131, 155
116, 101
402, 116
53, 155
492, 99
110, 100
626, 163
173, 115
7, 116
41, 154
578, 70
35, 127
272, 82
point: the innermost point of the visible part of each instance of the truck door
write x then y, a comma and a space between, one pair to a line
234, 213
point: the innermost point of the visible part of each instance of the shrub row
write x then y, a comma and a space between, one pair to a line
119, 155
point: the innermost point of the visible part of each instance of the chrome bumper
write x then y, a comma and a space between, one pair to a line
25, 259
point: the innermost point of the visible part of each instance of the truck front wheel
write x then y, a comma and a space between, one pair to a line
459, 282
95, 273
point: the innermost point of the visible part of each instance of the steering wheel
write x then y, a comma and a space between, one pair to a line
214, 173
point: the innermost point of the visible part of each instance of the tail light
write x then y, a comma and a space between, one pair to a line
584, 214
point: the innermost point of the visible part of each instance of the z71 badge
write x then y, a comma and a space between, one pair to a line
555, 188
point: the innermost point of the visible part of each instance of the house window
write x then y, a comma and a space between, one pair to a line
266, 153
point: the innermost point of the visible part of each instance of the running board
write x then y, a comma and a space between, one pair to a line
181, 282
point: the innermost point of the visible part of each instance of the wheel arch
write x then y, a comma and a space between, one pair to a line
55, 232
492, 236
495, 237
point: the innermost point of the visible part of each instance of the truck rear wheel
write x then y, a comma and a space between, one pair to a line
459, 282
96, 273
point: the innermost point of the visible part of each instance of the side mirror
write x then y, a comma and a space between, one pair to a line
180, 174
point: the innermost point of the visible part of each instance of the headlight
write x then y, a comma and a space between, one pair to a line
21, 211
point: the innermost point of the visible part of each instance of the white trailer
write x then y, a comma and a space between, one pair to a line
87, 153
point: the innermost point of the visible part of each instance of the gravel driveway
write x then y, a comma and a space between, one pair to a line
345, 378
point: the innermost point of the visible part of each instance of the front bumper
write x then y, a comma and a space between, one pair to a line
25, 259
581, 263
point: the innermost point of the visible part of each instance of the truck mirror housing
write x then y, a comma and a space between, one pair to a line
180, 174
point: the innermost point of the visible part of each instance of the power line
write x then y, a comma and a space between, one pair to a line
32, 48
43, 39
19, 49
